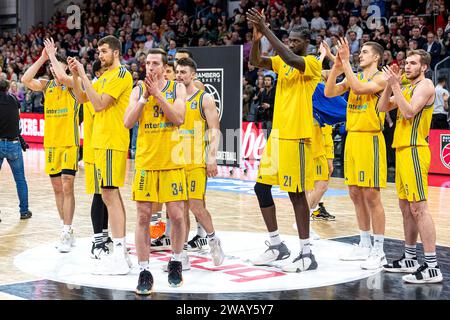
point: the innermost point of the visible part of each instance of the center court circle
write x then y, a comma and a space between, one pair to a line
235, 275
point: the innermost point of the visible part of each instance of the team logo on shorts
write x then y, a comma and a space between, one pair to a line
445, 150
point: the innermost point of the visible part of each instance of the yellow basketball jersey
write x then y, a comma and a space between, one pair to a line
159, 145
362, 114
61, 116
193, 132
415, 131
109, 130
293, 100
88, 124
318, 141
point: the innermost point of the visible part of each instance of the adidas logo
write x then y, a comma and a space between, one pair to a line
147, 195
260, 177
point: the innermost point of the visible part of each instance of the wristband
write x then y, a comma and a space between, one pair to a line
143, 100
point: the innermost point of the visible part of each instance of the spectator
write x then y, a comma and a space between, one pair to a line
416, 35
317, 23
387, 58
353, 42
352, 26
18, 93
10, 146
266, 104
440, 112
171, 50
336, 28
433, 48
247, 97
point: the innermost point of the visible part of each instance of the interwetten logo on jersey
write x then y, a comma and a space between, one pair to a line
212, 78
161, 125
56, 111
445, 150
357, 107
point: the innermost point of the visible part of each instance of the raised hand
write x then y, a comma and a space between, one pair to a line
151, 85
343, 49
50, 47
393, 79
72, 66
257, 19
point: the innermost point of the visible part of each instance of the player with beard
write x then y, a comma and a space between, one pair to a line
109, 96
415, 102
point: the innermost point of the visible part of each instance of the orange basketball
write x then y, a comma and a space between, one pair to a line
157, 229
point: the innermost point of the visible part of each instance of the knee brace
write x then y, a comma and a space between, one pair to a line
264, 195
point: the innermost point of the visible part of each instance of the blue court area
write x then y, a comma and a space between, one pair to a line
246, 187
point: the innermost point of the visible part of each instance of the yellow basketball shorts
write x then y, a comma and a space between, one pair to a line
61, 158
196, 183
92, 179
110, 166
365, 160
159, 185
321, 171
411, 173
287, 163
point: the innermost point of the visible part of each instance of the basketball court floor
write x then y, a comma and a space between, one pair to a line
31, 267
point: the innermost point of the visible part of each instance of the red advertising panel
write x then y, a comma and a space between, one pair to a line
253, 141
32, 125
440, 151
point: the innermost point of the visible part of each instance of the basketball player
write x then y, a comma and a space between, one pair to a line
319, 212
365, 151
109, 96
61, 136
320, 151
201, 113
199, 240
163, 242
159, 106
287, 159
101, 243
415, 102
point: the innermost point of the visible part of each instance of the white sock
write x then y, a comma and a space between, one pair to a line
200, 231
365, 239
143, 265
410, 251
105, 235
98, 238
119, 244
67, 228
305, 246
211, 236
274, 238
378, 240
177, 256
430, 259
167, 231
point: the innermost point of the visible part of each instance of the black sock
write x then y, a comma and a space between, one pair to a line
97, 213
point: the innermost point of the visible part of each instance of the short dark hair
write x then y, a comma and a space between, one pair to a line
171, 64
112, 41
442, 79
188, 62
304, 32
269, 76
4, 85
61, 59
161, 52
96, 66
189, 53
377, 48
